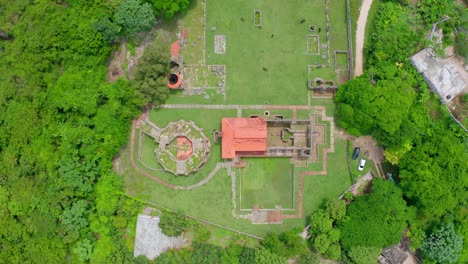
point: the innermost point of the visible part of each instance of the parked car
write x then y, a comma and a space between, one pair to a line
362, 162
356, 153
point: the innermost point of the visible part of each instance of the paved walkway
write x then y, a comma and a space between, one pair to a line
236, 107
360, 35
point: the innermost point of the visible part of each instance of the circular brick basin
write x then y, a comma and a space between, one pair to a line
184, 148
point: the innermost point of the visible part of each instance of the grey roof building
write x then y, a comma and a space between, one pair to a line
442, 76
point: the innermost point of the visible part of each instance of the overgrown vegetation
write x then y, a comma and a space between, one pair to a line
393, 103
61, 124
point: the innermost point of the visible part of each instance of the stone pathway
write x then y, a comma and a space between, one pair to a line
236, 107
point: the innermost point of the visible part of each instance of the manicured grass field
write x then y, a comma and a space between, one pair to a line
267, 183
317, 188
269, 64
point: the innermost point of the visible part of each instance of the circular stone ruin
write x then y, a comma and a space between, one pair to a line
183, 148
173, 78
311, 28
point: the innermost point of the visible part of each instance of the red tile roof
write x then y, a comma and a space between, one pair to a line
243, 135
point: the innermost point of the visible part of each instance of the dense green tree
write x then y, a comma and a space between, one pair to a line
377, 219
444, 245
333, 251
320, 222
336, 209
311, 258
74, 220
202, 234
83, 249
174, 257
325, 235
134, 16
61, 125
321, 243
263, 256
205, 253
435, 165
383, 48
168, 8
432, 11
363, 255
247, 255
294, 243
287, 244
379, 109
109, 30
230, 255
150, 80
173, 224
274, 244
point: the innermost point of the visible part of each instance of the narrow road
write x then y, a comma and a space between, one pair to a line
360, 35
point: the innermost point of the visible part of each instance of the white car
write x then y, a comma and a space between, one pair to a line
362, 162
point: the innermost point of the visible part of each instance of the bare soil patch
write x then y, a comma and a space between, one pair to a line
370, 148
115, 70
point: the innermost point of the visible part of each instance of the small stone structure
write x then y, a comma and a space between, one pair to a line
257, 18
150, 240
320, 86
443, 77
336, 53
220, 44
313, 44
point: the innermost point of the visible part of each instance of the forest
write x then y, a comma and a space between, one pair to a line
62, 124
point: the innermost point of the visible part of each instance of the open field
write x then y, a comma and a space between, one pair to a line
269, 64
267, 183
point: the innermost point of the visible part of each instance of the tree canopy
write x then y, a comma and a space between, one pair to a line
377, 219
134, 16
444, 245
61, 125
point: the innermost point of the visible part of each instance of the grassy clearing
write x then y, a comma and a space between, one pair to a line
370, 166
193, 50
267, 183
269, 63
317, 188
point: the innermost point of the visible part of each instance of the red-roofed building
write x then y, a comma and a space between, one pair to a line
243, 137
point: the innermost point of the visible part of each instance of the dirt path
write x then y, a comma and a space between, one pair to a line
360, 35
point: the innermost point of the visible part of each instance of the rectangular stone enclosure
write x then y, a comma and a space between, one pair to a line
220, 44
313, 44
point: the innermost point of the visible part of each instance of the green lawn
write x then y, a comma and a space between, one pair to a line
267, 183
269, 64
317, 188
209, 120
